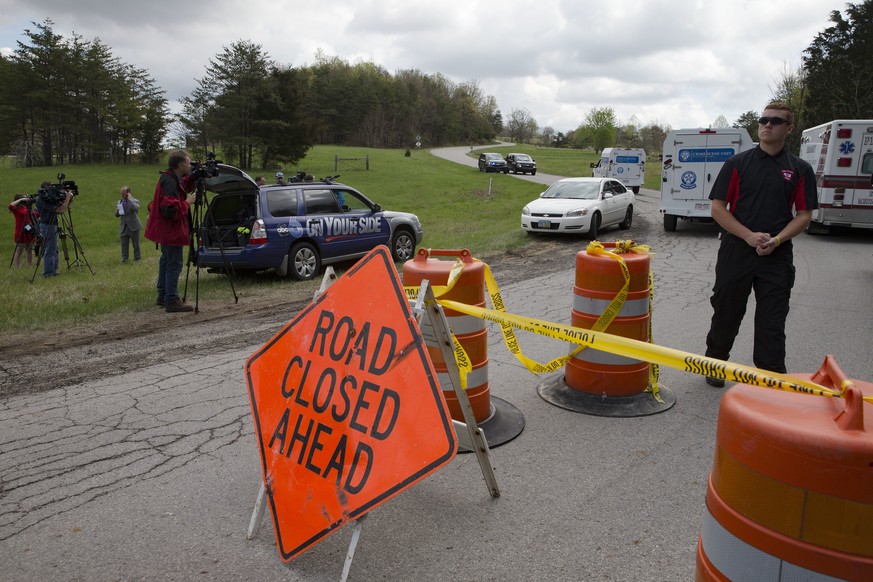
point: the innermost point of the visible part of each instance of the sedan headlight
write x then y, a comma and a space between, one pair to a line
525, 211
578, 212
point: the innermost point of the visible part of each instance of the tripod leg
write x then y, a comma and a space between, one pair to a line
62, 239
78, 250
39, 256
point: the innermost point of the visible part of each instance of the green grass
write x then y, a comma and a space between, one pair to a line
459, 207
454, 203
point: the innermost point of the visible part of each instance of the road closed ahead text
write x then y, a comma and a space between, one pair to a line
337, 383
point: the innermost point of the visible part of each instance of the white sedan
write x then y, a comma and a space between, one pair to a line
579, 206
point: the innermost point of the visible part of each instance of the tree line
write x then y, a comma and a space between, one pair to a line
72, 101
259, 113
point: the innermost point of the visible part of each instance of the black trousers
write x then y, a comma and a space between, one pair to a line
738, 270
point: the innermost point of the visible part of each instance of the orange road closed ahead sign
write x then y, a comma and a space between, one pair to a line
347, 408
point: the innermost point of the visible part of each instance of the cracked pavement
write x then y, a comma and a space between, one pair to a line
149, 471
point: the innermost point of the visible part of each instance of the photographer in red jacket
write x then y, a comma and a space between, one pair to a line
168, 225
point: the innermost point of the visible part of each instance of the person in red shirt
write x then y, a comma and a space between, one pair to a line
168, 225
25, 228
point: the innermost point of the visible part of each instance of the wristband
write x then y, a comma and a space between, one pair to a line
778, 241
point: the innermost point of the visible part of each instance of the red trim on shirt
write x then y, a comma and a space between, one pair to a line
733, 191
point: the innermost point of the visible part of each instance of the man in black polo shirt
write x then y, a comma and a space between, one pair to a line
762, 198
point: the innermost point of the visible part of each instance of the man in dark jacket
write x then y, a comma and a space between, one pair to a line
762, 198
168, 225
49, 206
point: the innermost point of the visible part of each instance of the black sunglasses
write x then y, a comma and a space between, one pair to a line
772, 120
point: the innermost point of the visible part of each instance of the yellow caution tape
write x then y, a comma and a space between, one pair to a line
656, 354
614, 308
438, 290
463, 361
461, 358
600, 340
654, 369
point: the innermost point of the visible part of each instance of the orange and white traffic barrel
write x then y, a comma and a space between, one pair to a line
790, 495
497, 418
598, 281
600, 382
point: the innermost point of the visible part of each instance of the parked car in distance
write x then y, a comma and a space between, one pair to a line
491, 162
580, 206
297, 227
521, 163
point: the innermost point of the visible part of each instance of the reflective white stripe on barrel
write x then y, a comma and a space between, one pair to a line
741, 562
600, 357
476, 377
591, 306
465, 324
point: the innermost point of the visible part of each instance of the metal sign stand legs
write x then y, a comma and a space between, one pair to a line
469, 434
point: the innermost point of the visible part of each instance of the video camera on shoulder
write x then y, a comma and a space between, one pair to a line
205, 169
57, 193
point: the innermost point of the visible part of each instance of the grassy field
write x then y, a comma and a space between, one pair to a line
454, 203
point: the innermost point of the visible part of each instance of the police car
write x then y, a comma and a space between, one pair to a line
295, 227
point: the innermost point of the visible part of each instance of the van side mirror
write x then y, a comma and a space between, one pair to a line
593, 165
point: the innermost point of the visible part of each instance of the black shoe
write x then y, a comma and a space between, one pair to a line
160, 302
178, 306
717, 382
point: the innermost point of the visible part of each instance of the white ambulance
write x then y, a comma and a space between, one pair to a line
627, 165
841, 153
691, 161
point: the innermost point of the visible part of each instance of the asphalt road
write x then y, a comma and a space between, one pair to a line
152, 475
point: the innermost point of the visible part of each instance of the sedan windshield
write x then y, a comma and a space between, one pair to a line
574, 190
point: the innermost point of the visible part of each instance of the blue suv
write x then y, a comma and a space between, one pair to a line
297, 227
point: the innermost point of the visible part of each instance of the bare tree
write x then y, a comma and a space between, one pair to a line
720, 122
521, 126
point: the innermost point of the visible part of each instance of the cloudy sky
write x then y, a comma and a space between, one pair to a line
676, 62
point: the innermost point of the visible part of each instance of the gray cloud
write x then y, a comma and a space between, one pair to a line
680, 62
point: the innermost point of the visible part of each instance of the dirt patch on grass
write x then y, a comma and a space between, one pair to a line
119, 345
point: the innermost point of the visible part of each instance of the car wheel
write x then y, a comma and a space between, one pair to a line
402, 245
595, 226
628, 219
534, 173
670, 222
304, 262
636, 189
505, 171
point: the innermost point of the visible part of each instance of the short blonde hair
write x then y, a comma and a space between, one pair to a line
782, 106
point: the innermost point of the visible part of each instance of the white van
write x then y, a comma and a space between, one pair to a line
692, 160
627, 165
841, 153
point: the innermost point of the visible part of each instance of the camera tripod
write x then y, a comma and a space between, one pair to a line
196, 232
65, 231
